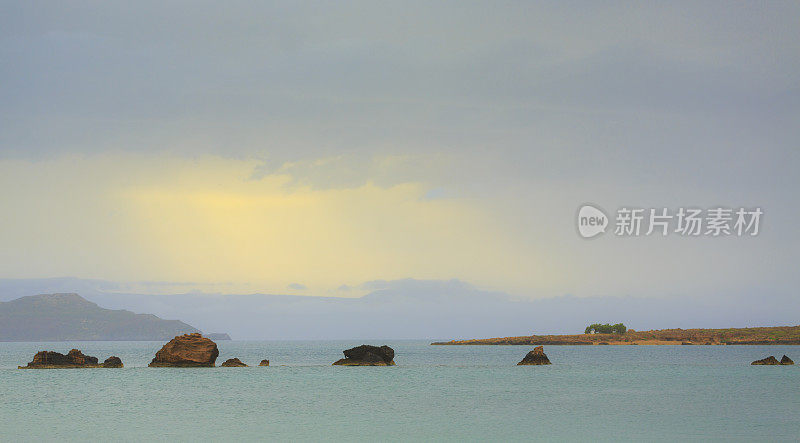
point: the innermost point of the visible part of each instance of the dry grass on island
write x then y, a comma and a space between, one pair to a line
777, 335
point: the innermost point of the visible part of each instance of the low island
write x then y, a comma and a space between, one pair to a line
777, 335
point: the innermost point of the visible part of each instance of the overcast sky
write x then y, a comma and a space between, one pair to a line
309, 147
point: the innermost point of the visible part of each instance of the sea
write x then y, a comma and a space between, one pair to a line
435, 393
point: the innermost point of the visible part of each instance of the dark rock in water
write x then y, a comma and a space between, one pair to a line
55, 360
367, 355
233, 363
365, 352
771, 360
188, 350
535, 357
605, 343
786, 360
264, 363
687, 343
112, 362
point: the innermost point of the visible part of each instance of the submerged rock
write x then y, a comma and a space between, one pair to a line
535, 357
188, 350
55, 360
112, 362
264, 363
771, 360
233, 363
367, 355
786, 360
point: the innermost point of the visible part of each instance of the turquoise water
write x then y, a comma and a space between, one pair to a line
434, 392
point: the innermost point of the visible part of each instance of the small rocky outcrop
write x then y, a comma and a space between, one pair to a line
771, 360
367, 355
188, 350
535, 357
112, 362
233, 363
56, 360
264, 363
786, 360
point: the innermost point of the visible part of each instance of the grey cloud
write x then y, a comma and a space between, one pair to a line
533, 108
296, 81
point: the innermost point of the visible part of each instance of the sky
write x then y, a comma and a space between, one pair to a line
306, 148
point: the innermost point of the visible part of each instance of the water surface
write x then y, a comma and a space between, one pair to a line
434, 392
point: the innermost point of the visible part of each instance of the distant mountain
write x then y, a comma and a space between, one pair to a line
62, 317
415, 309
217, 336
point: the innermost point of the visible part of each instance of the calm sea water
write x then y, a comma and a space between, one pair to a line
434, 393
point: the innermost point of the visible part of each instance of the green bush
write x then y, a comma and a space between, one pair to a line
597, 328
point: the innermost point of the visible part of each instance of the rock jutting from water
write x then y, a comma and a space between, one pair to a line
367, 355
264, 363
112, 362
188, 350
233, 363
73, 359
771, 360
786, 360
535, 357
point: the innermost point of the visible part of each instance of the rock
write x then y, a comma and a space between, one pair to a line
112, 362
264, 363
786, 360
233, 363
367, 355
535, 357
771, 360
604, 343
687, 343
188, 350
55, 360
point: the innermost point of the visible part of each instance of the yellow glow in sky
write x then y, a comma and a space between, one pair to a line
203, 220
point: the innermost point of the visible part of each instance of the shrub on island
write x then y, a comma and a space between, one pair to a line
598, 328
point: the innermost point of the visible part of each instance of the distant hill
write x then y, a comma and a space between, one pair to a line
217, 336
416, 309
62, 317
